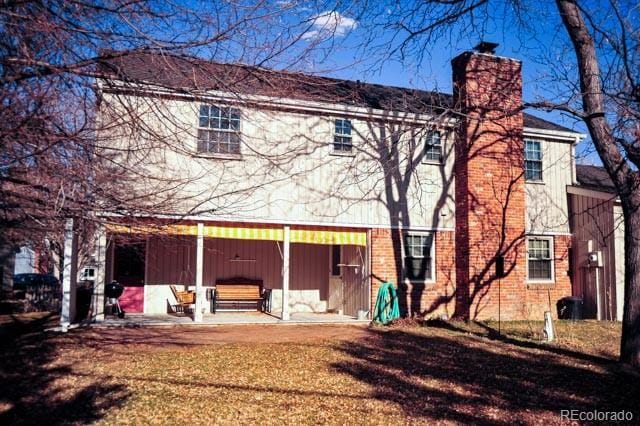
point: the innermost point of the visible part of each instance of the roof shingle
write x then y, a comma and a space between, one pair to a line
188, 73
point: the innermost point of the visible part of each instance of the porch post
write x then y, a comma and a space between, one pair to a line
69, 275
197, 315
285, 274
101, 274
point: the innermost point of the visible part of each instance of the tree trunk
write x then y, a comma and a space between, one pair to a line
630, 344
624, 178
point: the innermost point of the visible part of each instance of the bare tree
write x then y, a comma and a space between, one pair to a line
604, 38
52, 164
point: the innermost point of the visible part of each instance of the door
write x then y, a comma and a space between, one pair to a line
354, 281
336, 300
129, 267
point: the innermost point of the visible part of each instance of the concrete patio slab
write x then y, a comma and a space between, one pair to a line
223, 318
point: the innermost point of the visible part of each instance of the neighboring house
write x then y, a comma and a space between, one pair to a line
598, 243
326, 188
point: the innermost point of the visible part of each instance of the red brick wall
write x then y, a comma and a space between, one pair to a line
536, 296
431, 299
490, 191
507, 299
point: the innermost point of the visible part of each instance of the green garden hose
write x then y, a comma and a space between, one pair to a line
386, 305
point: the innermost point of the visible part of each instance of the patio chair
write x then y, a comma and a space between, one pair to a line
184, 300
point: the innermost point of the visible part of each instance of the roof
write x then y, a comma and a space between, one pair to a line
594, 177
188, 73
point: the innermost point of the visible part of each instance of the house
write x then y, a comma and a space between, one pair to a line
323, 189
598, 243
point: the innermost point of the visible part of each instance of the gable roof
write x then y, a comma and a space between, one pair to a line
188, 73
594, 177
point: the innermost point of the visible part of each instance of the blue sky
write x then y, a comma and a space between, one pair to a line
538, 44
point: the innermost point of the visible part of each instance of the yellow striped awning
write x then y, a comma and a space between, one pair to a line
306, 236
310, 236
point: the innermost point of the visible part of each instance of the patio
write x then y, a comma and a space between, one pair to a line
231, 317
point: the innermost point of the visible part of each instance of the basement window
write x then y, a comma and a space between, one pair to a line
433, 148
532, 160
418, 256
219, 130
342, 140
540, 259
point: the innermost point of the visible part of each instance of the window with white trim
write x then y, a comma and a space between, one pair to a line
219, 130
418, 257
433, 147
342, 139
532, 160
540, 258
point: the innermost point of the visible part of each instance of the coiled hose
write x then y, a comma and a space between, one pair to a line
387, 308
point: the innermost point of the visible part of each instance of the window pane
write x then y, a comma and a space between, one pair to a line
343, 127
533, 160
433, 147
533, 170
532, 151
417, 252
539, 269
432, 153
226, 137
342, 143
540, 258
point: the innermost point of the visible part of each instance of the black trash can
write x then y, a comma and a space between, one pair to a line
570, 308
84, 294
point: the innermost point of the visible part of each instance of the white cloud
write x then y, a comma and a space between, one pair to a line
329, 24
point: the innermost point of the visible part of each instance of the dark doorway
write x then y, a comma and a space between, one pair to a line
129, 268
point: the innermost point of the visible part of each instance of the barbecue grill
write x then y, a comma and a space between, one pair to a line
112, 292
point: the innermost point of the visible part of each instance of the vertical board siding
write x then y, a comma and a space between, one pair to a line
593, 219
546, 204
171, 260
310, 268
260, 260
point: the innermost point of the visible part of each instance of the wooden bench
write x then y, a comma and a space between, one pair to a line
237, 292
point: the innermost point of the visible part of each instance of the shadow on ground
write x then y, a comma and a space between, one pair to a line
437, 375
37, 386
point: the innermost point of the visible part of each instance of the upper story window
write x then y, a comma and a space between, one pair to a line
219, 130
418, 257
433, 147
342, 140
540, 258
532, 160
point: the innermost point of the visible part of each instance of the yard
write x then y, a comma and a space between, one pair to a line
446, 372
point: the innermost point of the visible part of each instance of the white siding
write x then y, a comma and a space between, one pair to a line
288, 172
546, 202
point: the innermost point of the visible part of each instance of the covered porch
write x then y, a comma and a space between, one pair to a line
309, 274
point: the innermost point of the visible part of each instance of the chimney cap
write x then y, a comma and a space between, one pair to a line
486, 47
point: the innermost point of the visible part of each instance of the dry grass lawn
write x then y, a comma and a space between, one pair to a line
439, 373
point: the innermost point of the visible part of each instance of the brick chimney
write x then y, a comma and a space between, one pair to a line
489, 187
